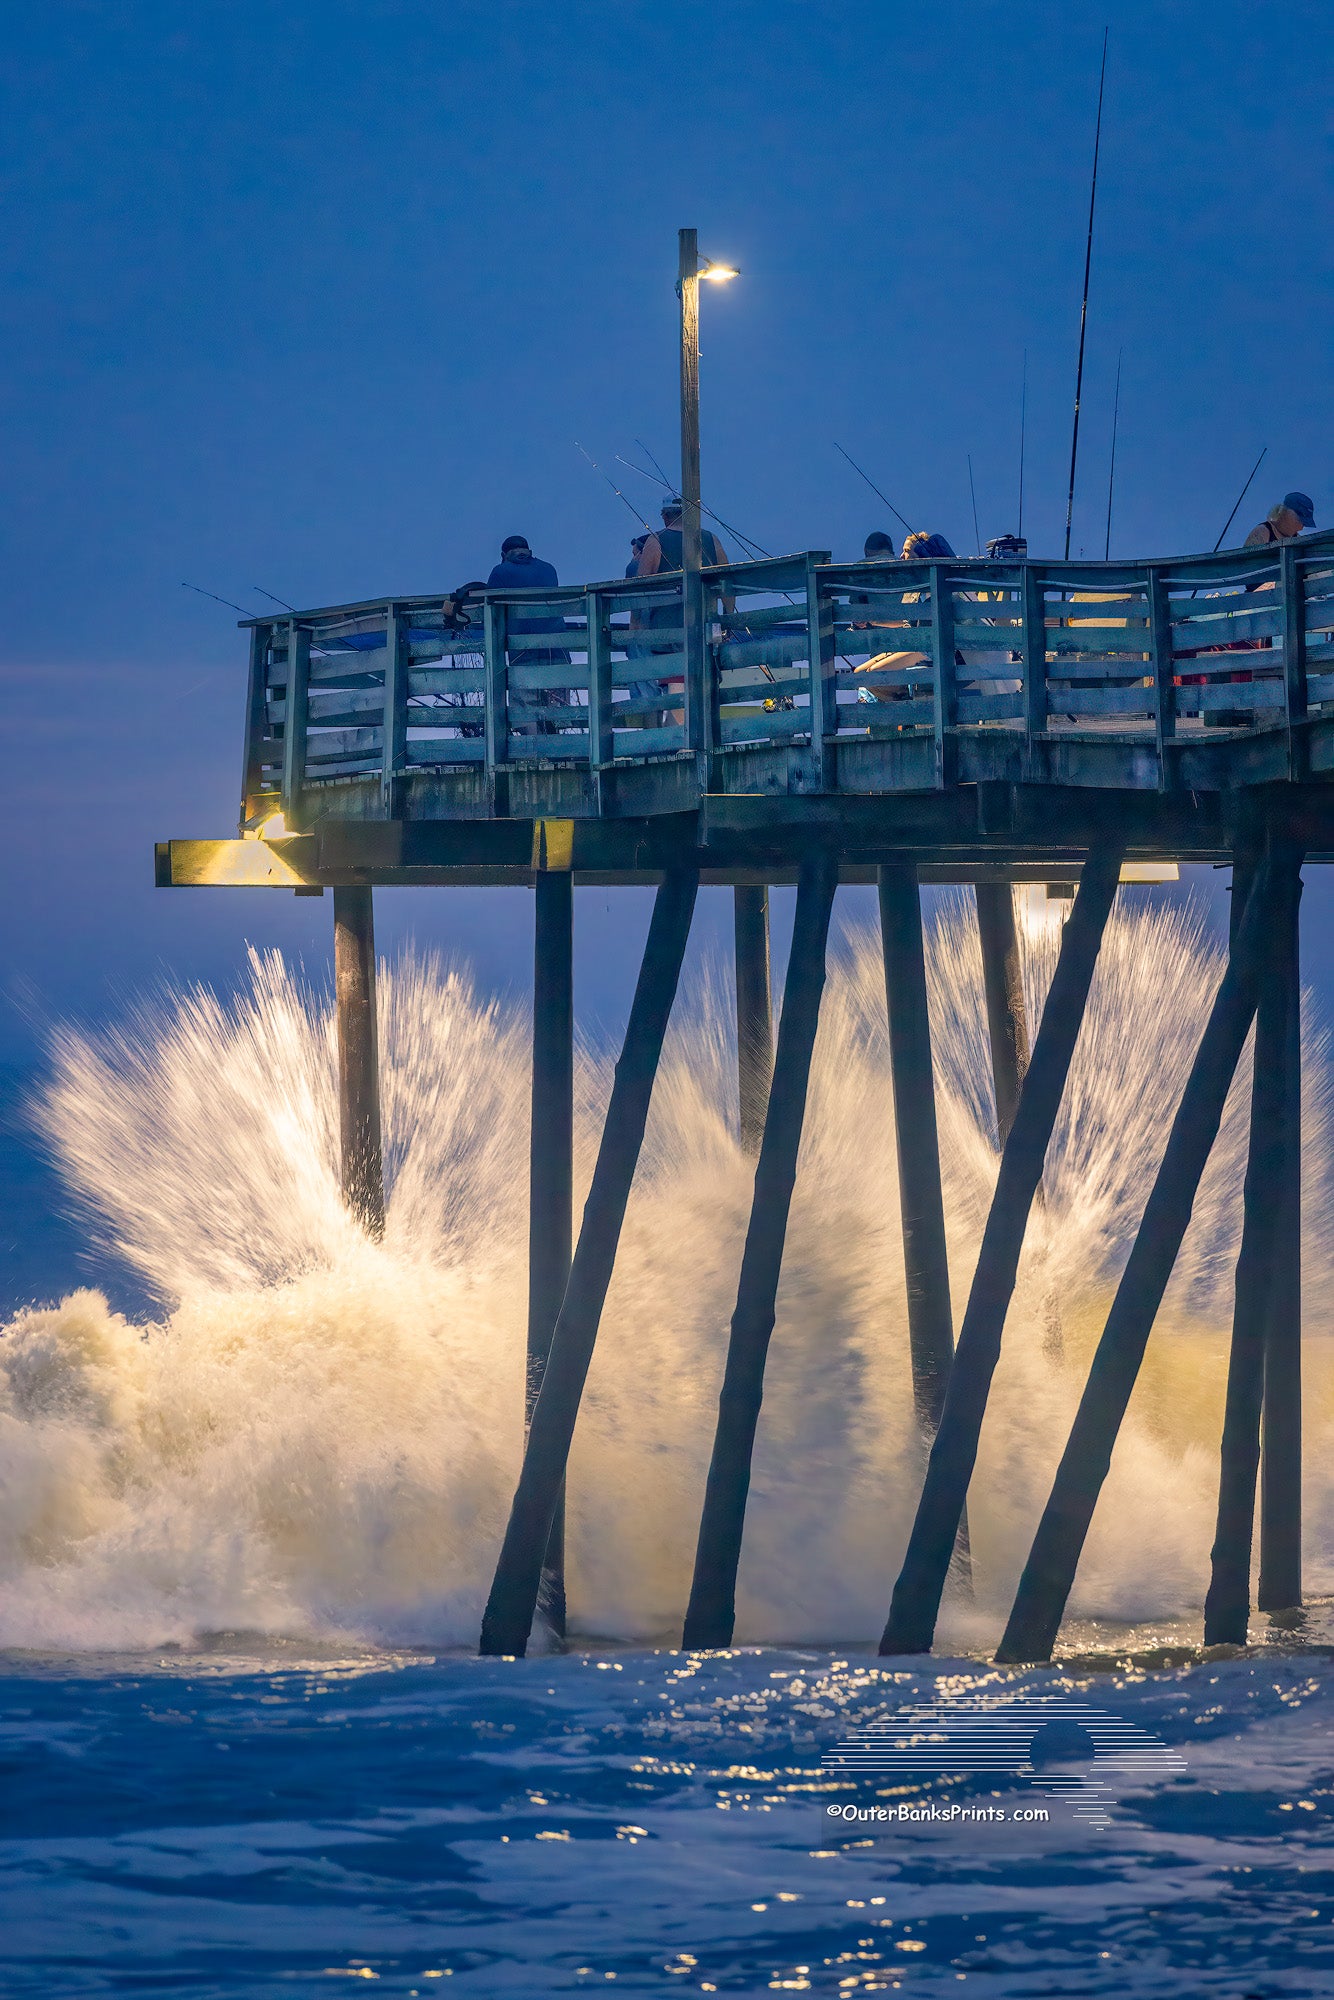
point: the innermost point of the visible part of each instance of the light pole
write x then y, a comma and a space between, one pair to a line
754, 1009
689, 273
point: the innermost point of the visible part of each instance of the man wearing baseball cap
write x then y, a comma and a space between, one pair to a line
520, 569
1294, 515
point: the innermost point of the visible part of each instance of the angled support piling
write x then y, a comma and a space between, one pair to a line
1050, 1570
916, 1601
921, 1203
551, 1168
754, 1011
1003, 983
711, 1614
1281, 1454
514, 1591
1261, 1271
358, 1057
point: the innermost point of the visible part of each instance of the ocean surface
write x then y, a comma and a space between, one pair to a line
644, 1822
254, 1470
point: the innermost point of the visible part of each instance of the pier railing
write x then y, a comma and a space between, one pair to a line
809, 676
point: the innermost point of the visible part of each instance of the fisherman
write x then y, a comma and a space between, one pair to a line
879, 547
1294, 515
921, 547
520, 569
664, 551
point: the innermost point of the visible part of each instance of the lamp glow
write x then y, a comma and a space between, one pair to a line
273, 828
718, 274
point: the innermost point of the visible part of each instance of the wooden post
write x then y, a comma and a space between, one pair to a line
712, 1610
394, 736
1050, 1570
551, 1169
916, 1601
754, 1011
256, 708
821, 682
1260, 1280
514, 1590
1003, 982
1279, 1046
1294, 660
358, 1057
295, 716
942, 670
921, 1203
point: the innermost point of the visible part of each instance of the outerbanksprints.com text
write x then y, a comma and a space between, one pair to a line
905, 1810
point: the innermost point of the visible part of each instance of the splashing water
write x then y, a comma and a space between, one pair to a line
319, 1436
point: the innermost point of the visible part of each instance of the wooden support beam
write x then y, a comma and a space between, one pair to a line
295, 713
1003, 983
754, 1011
358, 1057
916, 1602
1260, 1276
1281, 1457
1050, 1570
257, 690
551, 1170
921, 1202
514, 1591
711, 1614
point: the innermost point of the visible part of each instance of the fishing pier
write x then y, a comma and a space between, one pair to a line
798, 720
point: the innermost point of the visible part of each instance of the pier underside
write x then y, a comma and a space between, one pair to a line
993, 831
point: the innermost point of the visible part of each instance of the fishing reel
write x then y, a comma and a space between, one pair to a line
456, 606
1008, 548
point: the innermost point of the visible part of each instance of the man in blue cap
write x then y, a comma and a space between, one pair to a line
520, 569
1293, 516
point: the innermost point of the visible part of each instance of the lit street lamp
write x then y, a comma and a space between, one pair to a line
690, 271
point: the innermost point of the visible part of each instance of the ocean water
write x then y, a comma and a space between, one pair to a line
254, 1471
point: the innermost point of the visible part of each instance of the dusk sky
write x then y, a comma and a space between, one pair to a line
318, 298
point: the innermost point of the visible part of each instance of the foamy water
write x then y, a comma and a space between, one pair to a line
319, 1436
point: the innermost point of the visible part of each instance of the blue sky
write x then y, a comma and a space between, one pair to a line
318, 298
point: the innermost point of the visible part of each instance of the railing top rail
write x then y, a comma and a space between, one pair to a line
895, 573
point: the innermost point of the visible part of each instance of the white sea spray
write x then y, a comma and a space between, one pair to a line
319, 1435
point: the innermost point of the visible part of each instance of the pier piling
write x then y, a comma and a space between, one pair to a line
921, 1202
510, 1608
551, 1169
1279, 1027
358, 1057
1050, 1570
1260, 1286
754, 1010
1003, 984
916, 1600
711, 1614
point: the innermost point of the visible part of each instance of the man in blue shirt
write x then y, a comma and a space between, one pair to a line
520, 569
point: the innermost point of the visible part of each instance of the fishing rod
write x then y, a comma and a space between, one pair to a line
874, 488
1111, 471
655, 462
1084, 308
232, 606
1240, 497
977, 533
614, 487
1023, 428
663, 480
272, 599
